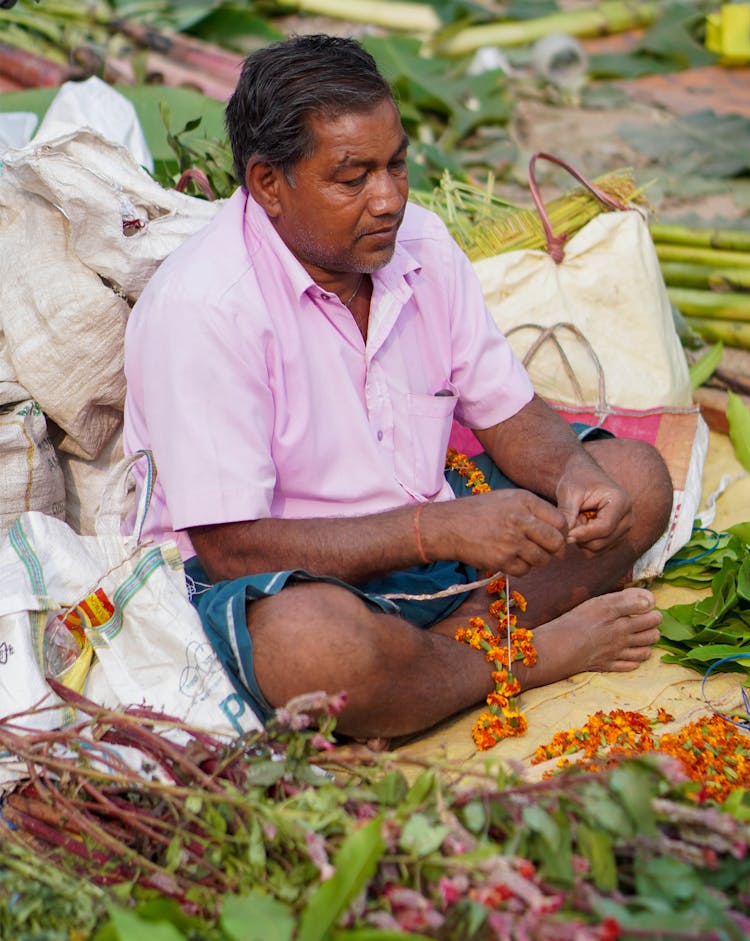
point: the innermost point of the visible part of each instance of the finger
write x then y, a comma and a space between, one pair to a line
608, 527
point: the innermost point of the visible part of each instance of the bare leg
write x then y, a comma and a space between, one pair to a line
398, 679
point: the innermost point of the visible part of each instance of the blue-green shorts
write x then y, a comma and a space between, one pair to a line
223, 605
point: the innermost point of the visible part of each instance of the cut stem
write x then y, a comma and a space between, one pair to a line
682, 274
717, 258
696, 303
390, 14
608, 17
729, 332
729, 239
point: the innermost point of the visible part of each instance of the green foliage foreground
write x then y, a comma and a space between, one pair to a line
280, 836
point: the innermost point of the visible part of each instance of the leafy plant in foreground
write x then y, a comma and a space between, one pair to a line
286, 834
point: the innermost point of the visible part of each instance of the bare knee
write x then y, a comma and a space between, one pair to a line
313, 637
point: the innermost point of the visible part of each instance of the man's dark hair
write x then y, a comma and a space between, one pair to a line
285, 83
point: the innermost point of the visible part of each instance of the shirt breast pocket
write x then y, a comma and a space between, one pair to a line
421, 434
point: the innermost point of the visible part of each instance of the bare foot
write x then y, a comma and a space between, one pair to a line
611, 633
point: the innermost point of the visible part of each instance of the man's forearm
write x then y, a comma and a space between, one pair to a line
535, 447
353, 549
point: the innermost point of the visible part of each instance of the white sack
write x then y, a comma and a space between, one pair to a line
82, 229
30, 476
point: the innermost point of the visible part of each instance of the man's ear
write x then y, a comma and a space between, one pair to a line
262, 181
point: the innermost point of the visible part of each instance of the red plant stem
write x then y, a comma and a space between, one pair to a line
52, 836
204, 56
30, 70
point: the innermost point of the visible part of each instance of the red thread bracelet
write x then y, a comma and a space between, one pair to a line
418, 536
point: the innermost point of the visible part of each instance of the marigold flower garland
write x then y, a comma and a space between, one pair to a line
502, 719
711, 750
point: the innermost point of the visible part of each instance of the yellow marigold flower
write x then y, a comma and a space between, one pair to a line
518, 600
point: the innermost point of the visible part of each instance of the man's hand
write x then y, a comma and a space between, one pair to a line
540, 451
597, 511
508, 530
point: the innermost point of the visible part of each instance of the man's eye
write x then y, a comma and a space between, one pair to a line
357, 181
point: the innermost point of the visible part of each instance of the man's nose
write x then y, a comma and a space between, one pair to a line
388, 194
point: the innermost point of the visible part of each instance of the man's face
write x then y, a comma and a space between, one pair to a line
347, 201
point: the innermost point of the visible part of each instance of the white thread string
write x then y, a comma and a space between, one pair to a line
445, 593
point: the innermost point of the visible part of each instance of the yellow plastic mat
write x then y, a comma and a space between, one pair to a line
568, 703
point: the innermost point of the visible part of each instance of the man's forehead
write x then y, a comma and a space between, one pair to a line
346, 137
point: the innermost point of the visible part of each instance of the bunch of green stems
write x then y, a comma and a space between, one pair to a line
707, 272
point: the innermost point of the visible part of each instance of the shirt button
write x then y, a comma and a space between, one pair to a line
380, 436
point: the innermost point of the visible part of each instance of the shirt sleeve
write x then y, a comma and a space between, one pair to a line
206, 407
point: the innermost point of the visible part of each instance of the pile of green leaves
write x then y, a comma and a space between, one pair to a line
278, 836
716, 626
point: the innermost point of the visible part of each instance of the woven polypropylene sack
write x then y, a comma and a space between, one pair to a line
82, 229
30, 475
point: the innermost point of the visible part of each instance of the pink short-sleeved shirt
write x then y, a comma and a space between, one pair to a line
259, 397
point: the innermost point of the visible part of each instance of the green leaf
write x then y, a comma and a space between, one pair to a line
634, 785
391, 788
743, 579
420, 836
420, 790
355, 864
607, 814
711, 652
703, 143
256, 917
674, 629
130, 927
742, 532
537, 819
738, 416
235, 27
703, 368
596, 846
474, 816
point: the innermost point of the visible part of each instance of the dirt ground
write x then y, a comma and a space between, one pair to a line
593, 141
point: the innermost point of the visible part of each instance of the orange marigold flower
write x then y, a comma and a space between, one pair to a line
522, 635
497, 609
498, 699
498, 655
512, 686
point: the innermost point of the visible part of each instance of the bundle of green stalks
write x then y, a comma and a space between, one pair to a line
484, 225
707, 272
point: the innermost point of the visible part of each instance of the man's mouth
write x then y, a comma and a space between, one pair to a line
385, 233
